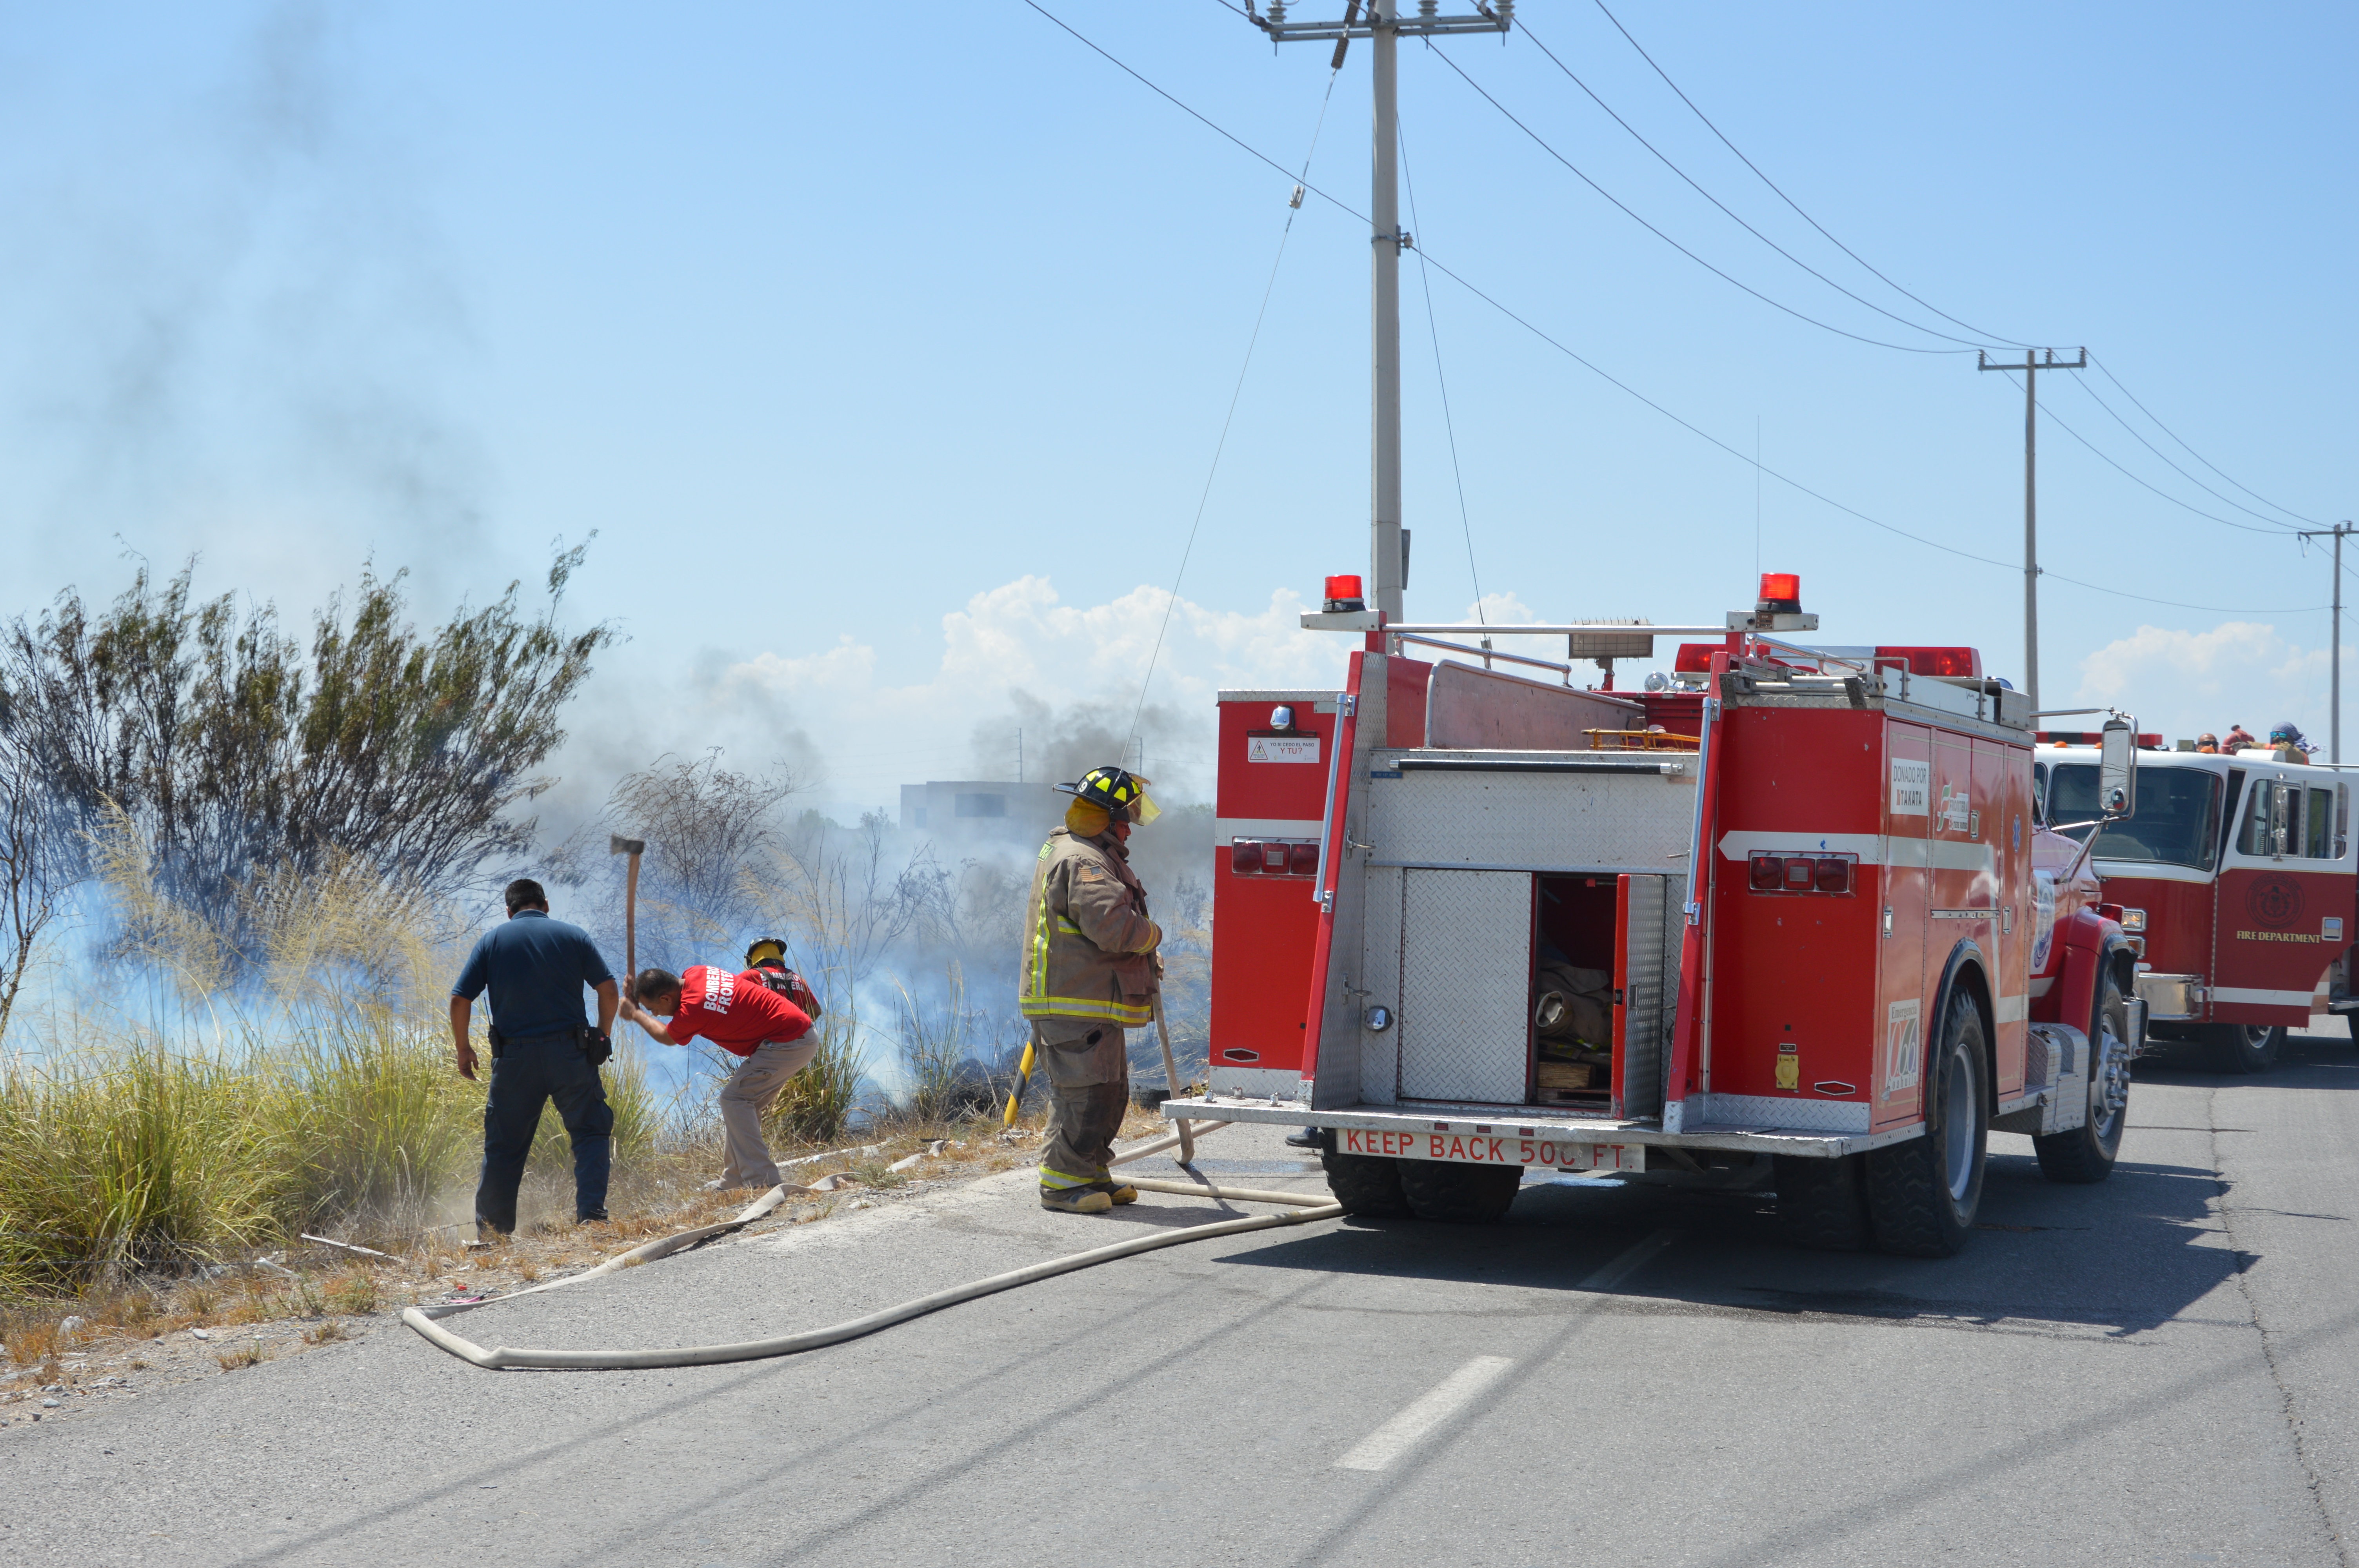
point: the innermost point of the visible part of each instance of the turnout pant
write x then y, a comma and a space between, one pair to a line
751, 1090
527, 1074
1089, 1085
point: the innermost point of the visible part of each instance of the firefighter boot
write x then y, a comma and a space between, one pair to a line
1076, 1200
1120, 1192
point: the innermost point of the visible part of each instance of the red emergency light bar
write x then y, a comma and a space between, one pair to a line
1964, 662
1344, 595
2148, 741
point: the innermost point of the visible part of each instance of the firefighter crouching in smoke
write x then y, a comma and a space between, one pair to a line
1090, 971
747, 1016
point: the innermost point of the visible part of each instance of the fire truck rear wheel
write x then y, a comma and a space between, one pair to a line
2244, 1047
1365, 1184
1922, 1195
2086, 1153
1459, 1195
1822, 1203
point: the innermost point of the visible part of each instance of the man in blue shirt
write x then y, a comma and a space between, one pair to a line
541, 1051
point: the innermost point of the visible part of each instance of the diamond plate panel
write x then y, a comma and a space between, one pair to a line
1537, 820
1773, 1111
1380, 964
1466, 984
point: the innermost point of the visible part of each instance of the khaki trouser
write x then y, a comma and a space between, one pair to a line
751, 1090
1089, 1082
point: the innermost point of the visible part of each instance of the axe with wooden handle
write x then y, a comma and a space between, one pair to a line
618, 845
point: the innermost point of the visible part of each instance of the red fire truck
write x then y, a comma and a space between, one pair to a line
2237, 878
1456, 932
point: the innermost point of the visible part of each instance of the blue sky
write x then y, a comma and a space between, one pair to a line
886, 349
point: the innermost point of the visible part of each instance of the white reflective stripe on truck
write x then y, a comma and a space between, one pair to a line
2253, 997
1873, 850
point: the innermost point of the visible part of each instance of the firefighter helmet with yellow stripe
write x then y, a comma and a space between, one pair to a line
766, 950
1122, 792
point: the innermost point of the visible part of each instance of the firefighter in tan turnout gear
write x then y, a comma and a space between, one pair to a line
1090, 972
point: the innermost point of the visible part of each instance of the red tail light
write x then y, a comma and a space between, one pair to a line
1766, 872
1303, 859
1245, 855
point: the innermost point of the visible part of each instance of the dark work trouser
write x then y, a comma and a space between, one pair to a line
1089, 1088
528, 1075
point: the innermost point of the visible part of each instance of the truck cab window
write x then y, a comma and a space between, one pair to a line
2039, 793
2176, 821
2318, 826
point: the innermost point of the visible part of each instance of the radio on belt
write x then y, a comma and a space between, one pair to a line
1789, 916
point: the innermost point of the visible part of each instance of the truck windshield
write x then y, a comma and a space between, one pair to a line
2177, 821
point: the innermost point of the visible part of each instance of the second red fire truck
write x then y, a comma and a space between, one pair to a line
1794, 912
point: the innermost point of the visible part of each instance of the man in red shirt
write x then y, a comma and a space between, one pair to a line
745, 1018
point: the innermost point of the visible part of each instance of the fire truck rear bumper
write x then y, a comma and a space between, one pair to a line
1551, 1137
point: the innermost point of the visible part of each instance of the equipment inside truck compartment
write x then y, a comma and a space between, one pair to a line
1573, 991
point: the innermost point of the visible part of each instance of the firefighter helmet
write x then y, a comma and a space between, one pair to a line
768, 952
1122, 792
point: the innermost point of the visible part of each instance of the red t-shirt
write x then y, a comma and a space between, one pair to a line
736, 1012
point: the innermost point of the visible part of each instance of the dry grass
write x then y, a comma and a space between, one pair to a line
247, 1355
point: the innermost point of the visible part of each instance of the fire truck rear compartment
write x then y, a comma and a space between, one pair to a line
1537, 983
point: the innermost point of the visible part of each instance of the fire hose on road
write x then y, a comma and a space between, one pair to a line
423, 1319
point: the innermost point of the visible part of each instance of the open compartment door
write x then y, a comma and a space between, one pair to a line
1646, 976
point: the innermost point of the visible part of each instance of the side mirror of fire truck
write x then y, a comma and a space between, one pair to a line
2117, 770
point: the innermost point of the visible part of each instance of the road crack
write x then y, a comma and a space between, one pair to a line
2270, 1357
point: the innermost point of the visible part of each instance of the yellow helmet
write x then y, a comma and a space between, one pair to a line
766, 950
1122, 792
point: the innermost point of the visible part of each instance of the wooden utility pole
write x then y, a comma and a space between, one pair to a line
2034, 361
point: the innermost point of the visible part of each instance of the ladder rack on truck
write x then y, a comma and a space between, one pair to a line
1476, 947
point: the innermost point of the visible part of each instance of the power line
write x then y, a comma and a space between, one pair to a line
1447, 423
1235, 395
1813, 223
1622, 386
1733, 217
1633, 216
2191, 451
2134, 479
2174, 468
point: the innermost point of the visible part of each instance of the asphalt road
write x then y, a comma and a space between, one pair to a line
2160, 1370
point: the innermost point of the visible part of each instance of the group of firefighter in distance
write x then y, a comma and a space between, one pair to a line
2285, 744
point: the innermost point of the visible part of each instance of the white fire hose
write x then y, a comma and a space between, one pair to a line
422, 1319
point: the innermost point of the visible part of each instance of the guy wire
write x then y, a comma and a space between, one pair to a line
1440, 380
1221, 445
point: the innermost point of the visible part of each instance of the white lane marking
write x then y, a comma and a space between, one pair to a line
1449, 1396
1630, 1261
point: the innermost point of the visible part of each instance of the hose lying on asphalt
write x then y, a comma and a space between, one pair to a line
422, 1319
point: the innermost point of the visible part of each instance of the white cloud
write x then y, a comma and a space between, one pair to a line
2183, 682
1018, 647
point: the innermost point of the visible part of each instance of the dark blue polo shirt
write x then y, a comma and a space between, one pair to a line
536, 967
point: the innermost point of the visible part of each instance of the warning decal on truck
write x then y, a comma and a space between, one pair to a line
1281, 748
1902, 1046
1912, 787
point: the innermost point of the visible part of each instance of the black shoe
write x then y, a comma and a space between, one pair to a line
595, 1216
1313, 1138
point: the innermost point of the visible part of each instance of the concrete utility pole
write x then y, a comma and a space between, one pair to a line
2334, 669
2031, 367
1383, 28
